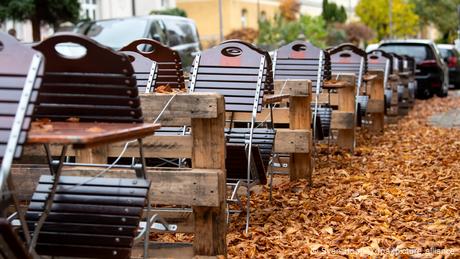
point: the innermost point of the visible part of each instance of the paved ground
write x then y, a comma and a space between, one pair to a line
450, 119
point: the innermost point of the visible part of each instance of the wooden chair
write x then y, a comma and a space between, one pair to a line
170, 71
239, 73
87, 216
21, 69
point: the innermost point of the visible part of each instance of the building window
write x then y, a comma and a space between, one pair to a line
244, 18
89, 8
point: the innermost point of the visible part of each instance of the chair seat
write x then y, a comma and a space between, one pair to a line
90, 217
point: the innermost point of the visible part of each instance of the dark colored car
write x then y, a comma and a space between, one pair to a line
451, 57
179, 33
431, 72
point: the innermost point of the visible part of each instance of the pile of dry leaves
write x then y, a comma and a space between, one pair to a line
399, 195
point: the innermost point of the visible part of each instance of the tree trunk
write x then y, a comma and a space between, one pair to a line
36, 30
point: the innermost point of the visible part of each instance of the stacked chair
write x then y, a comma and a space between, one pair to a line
166, 70
240, 73
347, 58
84, 102
379, 60
303, 60
21, 69
170, 72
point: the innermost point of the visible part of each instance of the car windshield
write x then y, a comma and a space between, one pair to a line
445, 52
117, 33
418, 51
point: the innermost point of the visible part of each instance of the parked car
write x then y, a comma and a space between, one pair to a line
431, 71
451, 57
179, 33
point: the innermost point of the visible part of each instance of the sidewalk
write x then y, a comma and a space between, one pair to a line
450, 119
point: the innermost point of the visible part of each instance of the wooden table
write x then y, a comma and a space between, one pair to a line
82, 135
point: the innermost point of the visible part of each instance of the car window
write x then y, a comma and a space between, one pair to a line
180, 32
157, 32
418, 51
117, 33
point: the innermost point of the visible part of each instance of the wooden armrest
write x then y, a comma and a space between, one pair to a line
87, 134
368, 77
333, 84
393, 77
269, 99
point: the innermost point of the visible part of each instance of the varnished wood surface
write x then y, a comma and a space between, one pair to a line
87, 134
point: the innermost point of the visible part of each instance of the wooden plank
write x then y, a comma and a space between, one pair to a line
300, 164
181, 109
334, 98
346, 137
173, 186
157, 146
342, 120
375, 107
293, 141
292, 87
94, 155
209, 152
280, 115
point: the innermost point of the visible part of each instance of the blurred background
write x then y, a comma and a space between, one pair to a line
267, 23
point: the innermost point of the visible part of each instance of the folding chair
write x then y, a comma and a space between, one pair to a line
347, 58
412, 84
87, 216
170, 71
145, 70
20, 72
237, 71
303, 60
379, 60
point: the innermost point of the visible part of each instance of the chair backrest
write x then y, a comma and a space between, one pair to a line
97, 87
170, 71
269, 84
409, 64
18, 92
145, 70
347, 58
234, 70
398, 64
301, 60
379, 60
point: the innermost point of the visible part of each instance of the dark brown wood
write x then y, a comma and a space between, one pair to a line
84, 135
169, 63
15, 61
83, 87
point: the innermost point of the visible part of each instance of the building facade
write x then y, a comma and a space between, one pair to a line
237, 14
94, 10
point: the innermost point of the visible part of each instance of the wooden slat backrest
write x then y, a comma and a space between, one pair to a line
15, 61
142, 70
410, 64
301, 60
170, 71
377, 60
97, 87
347, 58
263, 138
231, 69
398, 65
269, 84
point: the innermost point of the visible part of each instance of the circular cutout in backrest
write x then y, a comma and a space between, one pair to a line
299, 47
374, 57
232, 51
70, 50
345, 55
145, 48
1, 46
